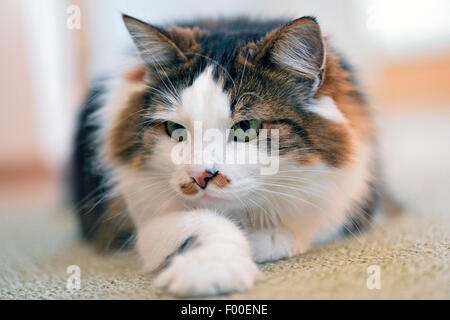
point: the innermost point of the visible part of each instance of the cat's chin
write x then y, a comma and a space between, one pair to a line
207, 196
208, 199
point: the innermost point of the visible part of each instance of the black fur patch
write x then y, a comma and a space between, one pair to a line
185, 246
363, 213
87, 179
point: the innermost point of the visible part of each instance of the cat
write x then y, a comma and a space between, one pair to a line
201, 226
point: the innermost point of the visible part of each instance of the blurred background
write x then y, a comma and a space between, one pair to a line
52, 49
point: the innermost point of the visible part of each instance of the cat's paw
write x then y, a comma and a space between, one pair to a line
271, 245
204, 272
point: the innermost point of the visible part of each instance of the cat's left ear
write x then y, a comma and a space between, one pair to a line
156, 46
297, 46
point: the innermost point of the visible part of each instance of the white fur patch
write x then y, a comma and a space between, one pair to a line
204, 101
271, 245
326, 108
219, 261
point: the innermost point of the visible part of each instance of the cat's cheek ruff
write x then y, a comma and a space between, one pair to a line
354, 184
319, 215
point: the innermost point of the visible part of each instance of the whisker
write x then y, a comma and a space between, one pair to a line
243, 72
216, 63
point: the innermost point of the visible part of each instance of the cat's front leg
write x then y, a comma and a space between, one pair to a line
272, 245
197, 253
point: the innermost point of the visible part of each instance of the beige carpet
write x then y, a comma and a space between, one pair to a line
38, 244
411, 251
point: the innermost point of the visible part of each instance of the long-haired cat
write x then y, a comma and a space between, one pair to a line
202, 225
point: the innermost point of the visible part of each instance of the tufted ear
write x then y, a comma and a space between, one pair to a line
155, 45
297, 46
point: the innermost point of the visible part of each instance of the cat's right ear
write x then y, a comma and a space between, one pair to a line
297, 46
154, 44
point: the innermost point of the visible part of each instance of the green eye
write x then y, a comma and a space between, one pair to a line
246, 130
176, 131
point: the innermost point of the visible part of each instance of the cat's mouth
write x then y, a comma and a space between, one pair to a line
193, 192
192, 188
201, 195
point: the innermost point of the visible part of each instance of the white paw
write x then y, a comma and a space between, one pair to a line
205, 272
271, 245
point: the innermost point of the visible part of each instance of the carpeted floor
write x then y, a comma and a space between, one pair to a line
412, 250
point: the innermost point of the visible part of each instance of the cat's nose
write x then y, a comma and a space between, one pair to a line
203, 178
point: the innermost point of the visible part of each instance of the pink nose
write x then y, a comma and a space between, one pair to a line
203, 178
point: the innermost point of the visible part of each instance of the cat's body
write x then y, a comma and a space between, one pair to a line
202, 224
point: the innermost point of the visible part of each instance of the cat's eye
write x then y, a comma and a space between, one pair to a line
246, 130
176, 131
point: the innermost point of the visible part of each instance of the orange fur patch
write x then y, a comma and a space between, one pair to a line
189, 188
135, 75
186, 38
122, 139
338, 86
220, 181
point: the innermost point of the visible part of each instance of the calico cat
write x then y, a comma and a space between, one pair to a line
201, 226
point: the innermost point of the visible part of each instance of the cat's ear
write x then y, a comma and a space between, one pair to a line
155, 45
297, 46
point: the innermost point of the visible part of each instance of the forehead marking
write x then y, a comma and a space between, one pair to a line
206, 101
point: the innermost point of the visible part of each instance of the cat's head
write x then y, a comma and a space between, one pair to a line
208, 87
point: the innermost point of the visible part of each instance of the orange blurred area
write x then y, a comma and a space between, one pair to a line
28, 184
413, 82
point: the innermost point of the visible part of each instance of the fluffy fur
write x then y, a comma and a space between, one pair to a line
203, 237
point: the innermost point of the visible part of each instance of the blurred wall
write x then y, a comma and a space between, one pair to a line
17, 124
42, 83
108, 36
23, 170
